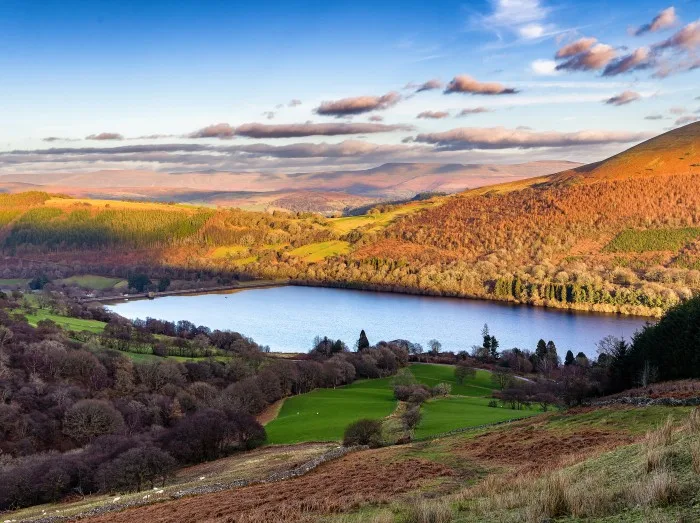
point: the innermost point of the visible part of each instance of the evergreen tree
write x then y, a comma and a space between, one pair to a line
569, 359
362, 342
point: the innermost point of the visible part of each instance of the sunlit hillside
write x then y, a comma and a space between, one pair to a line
626, 243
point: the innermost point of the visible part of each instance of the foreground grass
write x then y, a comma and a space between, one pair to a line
256, 464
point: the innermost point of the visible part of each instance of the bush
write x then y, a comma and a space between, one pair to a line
411, 417
89, 419
464, 372
363, 432
418, 396
441, 389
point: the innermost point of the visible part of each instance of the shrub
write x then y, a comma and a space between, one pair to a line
418, 396
89, 419
493, 404
411, 418
441, 389
464, 372
363, 432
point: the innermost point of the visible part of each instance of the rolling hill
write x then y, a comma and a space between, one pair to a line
325, 191
602, 237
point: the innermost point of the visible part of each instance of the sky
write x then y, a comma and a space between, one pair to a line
300, 86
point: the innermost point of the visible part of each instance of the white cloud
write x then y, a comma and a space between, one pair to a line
544, 68
531, 31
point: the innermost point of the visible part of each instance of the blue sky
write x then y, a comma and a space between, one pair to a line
76, 69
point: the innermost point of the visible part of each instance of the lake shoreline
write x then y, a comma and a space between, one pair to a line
288, 317
261, 284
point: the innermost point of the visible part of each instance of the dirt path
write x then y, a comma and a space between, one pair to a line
270, 413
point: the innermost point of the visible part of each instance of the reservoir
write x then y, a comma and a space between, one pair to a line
288, 318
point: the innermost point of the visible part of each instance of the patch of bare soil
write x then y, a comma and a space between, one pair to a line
528, 448
340, 485
270, 412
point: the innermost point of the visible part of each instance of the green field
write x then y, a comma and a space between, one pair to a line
91, 281
14, 282
73, 324
318, 251
632, 240
431, 375
323, 414
446, 414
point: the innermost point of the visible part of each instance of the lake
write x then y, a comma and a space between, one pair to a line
288, 318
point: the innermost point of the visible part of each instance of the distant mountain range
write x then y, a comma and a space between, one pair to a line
313, 191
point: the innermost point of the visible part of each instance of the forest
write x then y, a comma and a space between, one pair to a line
81, 412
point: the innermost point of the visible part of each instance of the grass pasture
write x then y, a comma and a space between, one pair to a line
377, 221
318, 251
431, 375
632, 240
446, 414
73, 324
14, 282
91, 281
323, 414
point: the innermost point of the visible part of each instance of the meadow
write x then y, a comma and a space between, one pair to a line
323, 414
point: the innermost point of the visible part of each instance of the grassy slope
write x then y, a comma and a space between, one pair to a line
318, 251
73, 324
431, 375
323, 414
91, 281
446, 414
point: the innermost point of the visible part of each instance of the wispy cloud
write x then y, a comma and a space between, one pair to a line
466, 138
105, 136
474, 110
357, 105
594, 58
665, 19
433, 115
466, 84
623, 98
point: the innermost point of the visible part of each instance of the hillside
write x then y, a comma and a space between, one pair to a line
674, 152
323, 191
627, 243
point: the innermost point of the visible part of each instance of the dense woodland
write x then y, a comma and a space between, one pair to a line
80, 414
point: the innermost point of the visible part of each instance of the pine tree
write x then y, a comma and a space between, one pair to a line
569, 359
363, 342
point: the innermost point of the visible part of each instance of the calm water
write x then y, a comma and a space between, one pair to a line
288, 318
